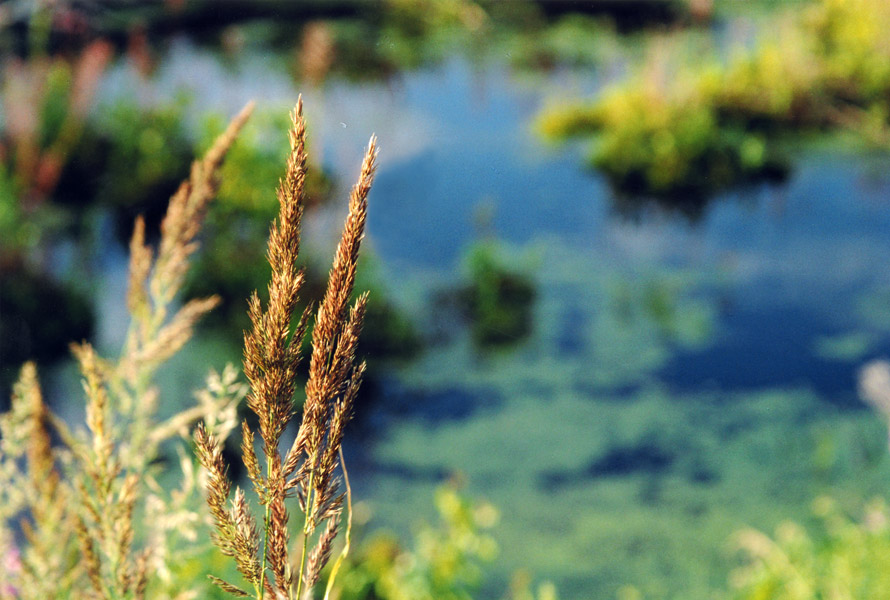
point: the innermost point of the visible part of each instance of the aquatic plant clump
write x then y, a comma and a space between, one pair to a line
690, 126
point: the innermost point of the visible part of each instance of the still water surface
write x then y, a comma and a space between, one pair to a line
683, 378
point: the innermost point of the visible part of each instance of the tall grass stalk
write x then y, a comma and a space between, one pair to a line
272, 353
79, 503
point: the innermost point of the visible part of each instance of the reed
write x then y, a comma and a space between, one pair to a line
78, 503
264, 556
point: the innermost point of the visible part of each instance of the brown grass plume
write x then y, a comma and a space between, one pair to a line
307, 470
78, 501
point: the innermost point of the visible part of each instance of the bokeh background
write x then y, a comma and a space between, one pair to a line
626, 257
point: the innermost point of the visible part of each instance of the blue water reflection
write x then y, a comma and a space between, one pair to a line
689, 329
680, 377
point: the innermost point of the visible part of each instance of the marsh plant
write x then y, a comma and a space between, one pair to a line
687, 126
77, 503
83, 513
271, 356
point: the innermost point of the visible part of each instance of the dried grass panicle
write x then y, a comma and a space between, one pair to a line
321, 554
99, 461
251, 462
271, 352
218, 488
271, 357
15, 433
277, 537
185, 214
125, 445
78, 503
39, 453
82, 501
108, 494
329, 359
140, 268
140, 583
90, 558
247, 540
34, 495
173, 336
154, 335
228, 587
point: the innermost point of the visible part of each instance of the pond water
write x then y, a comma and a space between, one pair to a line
683, 378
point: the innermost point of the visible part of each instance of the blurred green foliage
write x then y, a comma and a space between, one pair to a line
45, 103
131, 159
498, 299
249, 177
648, 142
693, 126
55, 104
126, 158
390, 37
571, 41
40, 317
668, 303
19, 232
445, 562
838, 558
148, 153
389, 332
